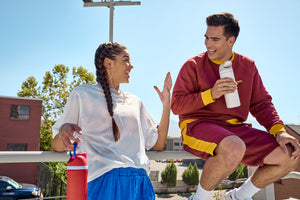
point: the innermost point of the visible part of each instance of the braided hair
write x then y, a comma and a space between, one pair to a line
107, 50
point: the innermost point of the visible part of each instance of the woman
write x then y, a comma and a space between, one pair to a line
114, 128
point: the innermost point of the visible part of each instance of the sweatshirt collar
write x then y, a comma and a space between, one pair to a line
219, 62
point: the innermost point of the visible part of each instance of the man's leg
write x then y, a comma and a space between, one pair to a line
276, 165
228, 155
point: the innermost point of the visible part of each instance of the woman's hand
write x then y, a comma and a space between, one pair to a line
63, 140
164, 95
163, 127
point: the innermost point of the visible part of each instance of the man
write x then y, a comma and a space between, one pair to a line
218, 134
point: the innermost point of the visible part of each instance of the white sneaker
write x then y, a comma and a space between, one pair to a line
230, 195
191, 197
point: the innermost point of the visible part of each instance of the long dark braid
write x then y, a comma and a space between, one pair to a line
107, 50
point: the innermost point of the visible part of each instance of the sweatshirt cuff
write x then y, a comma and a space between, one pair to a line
206, 97
276, 129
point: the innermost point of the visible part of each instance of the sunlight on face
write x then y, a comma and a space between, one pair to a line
217, 45
120, 69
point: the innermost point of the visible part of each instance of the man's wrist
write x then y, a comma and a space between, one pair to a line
279, 133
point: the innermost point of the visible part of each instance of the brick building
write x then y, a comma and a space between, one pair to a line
20, 121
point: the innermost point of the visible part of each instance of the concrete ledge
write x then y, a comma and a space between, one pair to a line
180, 188
183, 188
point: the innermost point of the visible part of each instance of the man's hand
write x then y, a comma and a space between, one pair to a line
284, 139
223, 86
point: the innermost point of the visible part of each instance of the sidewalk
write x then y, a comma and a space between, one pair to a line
216, 195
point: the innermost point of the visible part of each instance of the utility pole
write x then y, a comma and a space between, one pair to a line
111, 5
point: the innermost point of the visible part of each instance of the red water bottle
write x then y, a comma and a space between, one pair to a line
77, 171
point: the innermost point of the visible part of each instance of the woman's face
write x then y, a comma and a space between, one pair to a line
119, 69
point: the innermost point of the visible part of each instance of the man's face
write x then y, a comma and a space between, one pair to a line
217, 45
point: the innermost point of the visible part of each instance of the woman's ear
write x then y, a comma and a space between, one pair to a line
107, 62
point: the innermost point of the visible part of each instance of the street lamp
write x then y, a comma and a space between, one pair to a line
111, 5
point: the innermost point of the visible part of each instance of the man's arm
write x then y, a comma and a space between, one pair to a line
186, 97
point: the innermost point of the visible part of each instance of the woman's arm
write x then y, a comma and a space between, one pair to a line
163, 128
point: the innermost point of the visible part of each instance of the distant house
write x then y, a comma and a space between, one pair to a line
20, 122
289, 188
174, 144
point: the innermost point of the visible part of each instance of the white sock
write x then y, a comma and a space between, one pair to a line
202, 194
247, 190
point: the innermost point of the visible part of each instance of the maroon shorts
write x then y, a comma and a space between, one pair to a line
201, 139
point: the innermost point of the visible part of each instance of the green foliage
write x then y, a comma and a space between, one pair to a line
46, 135
218, 195
190, 176
58, 174
169, 175
54, 91
59, 169
240, 172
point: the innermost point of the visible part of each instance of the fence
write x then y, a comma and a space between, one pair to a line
50, 184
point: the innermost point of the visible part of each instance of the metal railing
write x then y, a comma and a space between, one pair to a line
48, 156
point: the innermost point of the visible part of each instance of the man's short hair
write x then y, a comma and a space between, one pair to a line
231, 24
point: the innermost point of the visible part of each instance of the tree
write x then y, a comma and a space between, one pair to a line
191, 175
169, 175
54, 91
240, 172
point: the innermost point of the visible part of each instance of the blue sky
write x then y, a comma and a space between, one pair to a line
160, 36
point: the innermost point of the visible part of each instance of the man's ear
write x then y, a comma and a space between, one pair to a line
107, 62
231, 41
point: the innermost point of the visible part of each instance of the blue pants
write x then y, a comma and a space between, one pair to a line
121, 183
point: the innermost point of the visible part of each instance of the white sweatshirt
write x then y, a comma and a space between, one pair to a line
86, 107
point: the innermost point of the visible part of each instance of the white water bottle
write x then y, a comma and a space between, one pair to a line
232, 99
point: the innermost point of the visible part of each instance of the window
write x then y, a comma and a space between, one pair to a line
176, 144
3, 186
16, 147
19, 112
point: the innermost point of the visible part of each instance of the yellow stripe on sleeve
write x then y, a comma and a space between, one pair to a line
277, 128
206, 97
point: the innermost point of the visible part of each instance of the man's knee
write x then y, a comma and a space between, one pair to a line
292, 164
232, 149
283, 159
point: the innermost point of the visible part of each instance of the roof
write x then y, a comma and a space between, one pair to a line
27, 98
295, 128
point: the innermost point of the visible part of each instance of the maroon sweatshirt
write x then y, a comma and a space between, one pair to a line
191, 98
